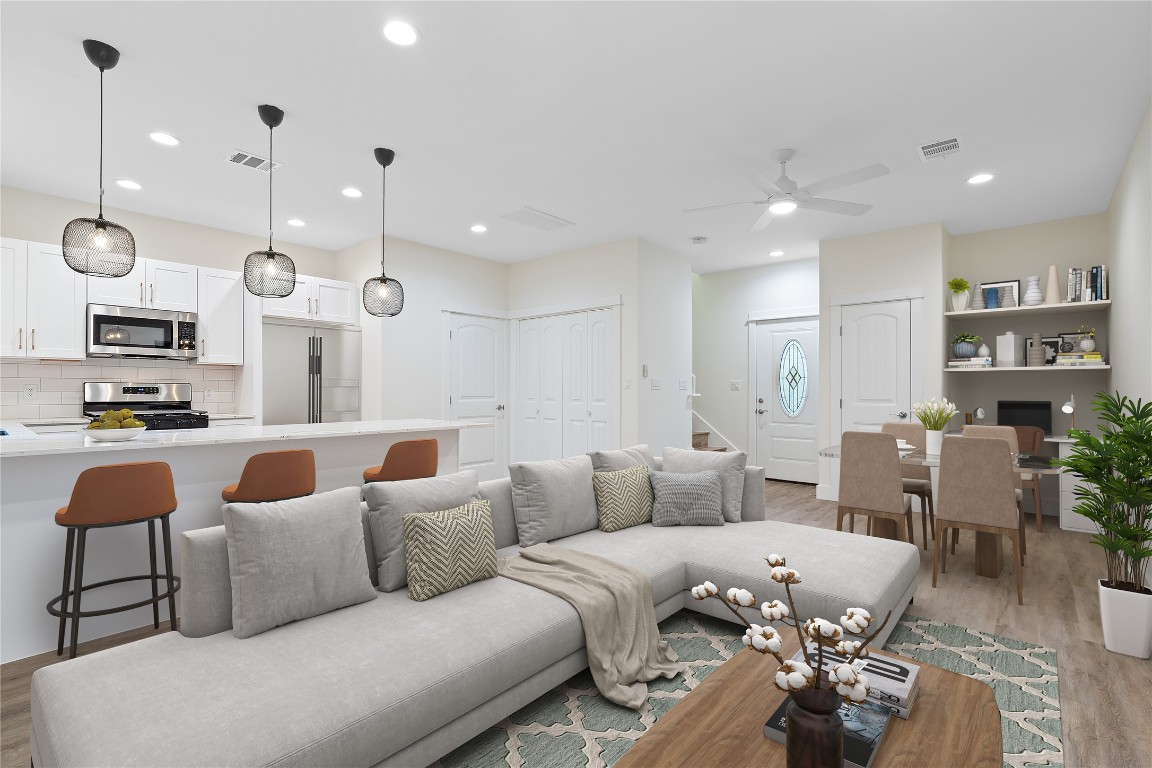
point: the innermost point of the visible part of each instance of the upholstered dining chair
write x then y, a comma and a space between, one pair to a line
1031, 441
406, 460
917, 479
1007, 434
987, 506
870, 482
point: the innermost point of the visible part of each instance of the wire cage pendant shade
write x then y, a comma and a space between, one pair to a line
98, 247
383, 296
270, 274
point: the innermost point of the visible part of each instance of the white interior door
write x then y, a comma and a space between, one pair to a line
604, 380
577, 407
477, 391
786, 386
551, 388
875, 365
527, 416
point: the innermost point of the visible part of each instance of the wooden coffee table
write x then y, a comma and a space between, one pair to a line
954, 722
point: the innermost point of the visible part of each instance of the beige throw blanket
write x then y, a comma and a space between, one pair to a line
615, 605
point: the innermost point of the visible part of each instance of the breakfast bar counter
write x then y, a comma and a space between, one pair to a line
37, 473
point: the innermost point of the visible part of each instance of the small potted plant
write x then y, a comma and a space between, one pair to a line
964, 344
934, 416
1087, 338
959, 287
1116, 494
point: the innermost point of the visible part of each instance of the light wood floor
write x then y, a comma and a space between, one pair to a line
1103, 696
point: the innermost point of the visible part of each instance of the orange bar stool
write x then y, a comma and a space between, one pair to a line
406, 460
108, 496
275, 476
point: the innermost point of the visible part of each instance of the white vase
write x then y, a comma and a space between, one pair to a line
978, 297
983, 351
1126, 618
1053, 294
1033, 296
933, 438
1087, 344
960, 301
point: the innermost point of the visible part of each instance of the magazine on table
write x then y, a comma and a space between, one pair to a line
892, 682
864, 728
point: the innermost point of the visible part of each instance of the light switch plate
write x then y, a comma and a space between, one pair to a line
628, 383
734, 385
683, 385
655, 383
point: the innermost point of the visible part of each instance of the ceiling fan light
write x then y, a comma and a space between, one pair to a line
980, 178
782, 206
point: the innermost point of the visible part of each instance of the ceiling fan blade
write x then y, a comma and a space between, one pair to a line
835, 206
847, 179
762, 222
761, 182
724, 205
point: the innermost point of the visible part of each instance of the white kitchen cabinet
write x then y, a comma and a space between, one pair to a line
320, 300
220, 316
43, 298
152, 284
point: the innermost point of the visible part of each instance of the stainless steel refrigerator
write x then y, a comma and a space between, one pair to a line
310, 374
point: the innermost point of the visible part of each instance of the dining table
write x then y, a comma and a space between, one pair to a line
989, 554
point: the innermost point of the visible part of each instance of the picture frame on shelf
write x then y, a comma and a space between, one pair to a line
1051, 346
1013, 284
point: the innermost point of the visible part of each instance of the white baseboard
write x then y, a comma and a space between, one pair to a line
825, 492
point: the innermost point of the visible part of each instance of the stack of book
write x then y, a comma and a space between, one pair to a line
1079, 358
893, 683
1088, 283
970, 362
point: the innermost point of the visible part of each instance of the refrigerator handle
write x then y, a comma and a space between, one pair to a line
311, 369
319, 378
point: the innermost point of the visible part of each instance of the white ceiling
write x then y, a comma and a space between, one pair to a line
614, 115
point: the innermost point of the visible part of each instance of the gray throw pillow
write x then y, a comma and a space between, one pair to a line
389, 502
686, 499
730, 465
611, 461
449, 549
294, 559
623, 498
552, 499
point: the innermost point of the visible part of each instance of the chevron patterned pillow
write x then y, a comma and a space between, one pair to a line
623, 498
449, 549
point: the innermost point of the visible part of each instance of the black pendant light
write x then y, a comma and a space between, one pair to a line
383, 296
99, 247
269, 273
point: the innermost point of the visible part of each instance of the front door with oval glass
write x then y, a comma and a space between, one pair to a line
785, 388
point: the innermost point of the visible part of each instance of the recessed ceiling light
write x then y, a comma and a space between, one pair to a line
980, 178
782, 206
164, 138
295, 223
478, 228
351, 192
401, 33
129, 184
775, 253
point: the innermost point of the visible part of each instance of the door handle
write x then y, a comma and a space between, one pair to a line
760, 400
901, 415
141, 293
203, 347
151, 294
21, 343
760, 411
499, 407
33, 338
309, 305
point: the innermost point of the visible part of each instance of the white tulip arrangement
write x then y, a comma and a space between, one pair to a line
935, 415
795, 675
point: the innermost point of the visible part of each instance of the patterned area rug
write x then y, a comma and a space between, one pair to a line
573, 726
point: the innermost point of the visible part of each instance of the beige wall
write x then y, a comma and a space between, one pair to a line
665, 345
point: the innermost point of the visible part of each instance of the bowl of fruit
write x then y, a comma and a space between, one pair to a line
115, 426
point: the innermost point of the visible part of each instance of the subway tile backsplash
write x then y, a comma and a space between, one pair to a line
58, 384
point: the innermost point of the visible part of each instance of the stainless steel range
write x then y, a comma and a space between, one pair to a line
160, 405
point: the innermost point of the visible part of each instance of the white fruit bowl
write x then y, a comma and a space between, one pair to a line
114, 435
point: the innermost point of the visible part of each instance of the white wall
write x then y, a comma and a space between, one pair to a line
402, 375
665, 346
721, 303
1130, 261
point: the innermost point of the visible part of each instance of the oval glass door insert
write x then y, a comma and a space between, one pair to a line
793, 378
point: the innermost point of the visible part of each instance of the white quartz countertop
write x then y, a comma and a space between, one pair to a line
23, 442
227, 416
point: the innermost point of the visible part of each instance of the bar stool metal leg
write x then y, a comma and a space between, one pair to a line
64, 590
82, 534
168, 573
152, 562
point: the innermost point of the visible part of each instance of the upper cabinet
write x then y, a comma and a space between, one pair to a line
220, 316
320, 300
152, 284
42, 302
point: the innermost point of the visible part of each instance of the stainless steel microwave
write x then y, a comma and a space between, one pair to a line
134, 332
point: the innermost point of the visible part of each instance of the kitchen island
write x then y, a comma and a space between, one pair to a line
37, 473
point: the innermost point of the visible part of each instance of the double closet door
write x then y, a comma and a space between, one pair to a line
567, 372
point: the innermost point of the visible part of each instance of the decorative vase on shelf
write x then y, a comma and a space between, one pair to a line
1087, 344
963, 349
983, 351
1008, 296
933, 439
959, 301
992, 298
978, 297
1033, 296
1053, 294
815, 733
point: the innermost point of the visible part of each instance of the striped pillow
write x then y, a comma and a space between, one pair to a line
449, 549
687, 499
623, 498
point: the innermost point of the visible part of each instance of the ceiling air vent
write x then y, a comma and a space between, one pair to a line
249, 160
938, 149
539, 219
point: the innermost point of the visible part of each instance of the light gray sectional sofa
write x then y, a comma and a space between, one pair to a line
394, 682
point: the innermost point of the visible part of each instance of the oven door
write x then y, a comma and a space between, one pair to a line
131, 332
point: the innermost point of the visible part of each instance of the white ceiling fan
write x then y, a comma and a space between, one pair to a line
784, 196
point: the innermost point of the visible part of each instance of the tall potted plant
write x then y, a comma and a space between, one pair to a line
1116, 494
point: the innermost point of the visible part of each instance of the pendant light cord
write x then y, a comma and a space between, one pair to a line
383, 202
101, 180
271, 166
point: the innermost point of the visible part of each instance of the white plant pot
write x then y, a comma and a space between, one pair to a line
960, 301
1087, 344
933, 438
1126, 618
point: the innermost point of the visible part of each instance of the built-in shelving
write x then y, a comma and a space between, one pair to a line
1049, 368
1040, 309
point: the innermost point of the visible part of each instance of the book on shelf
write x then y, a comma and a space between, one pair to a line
864, 727
1087, 283
963, 366
958, 360
1079, 363
1079, 356
893, 683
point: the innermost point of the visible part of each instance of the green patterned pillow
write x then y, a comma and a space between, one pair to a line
623, 498
449, 549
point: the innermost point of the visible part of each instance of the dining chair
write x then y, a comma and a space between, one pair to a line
1007, 434
917, 479
1031, 441
870, 482
987, 506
